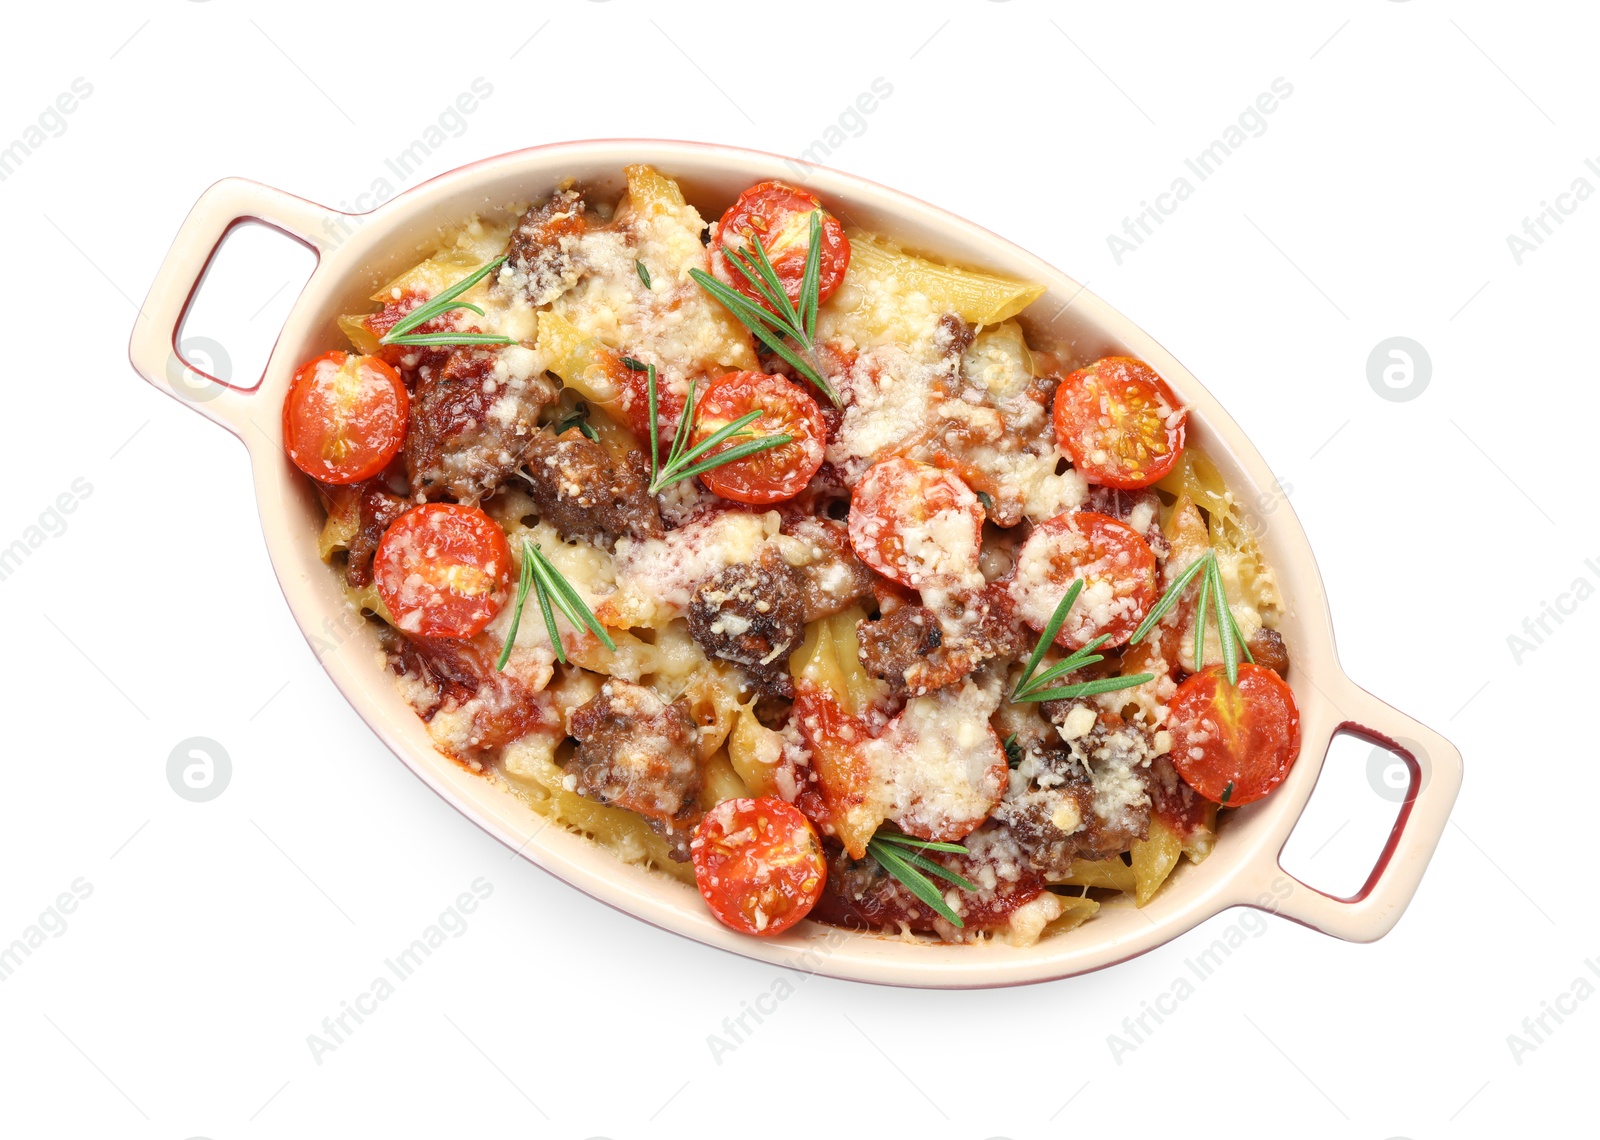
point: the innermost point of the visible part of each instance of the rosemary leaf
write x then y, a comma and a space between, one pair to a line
578, 418
1050, 630
550, 621
811, 284
1170, 598
1225, 632
644, 274
523, 585
721, 435
787, 312
448, 338
767, 286
1014, 751
571, 603
740, 451
440, 304
939, 869
891, 860
766, 326
655, 430
921, 844
1062, 668
1086, 688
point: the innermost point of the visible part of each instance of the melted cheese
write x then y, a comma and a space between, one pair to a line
939, 768
671, 323
657, 577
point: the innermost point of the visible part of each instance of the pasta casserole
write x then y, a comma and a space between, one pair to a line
783, 560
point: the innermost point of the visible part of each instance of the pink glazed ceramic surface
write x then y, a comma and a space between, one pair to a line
357, 253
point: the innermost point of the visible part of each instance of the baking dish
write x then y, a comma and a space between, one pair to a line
357, 253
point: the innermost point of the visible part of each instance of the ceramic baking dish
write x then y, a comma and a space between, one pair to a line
357, 253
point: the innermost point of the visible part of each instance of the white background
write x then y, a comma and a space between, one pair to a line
218, 935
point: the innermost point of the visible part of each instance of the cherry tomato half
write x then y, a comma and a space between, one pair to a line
916, 524
344, 417
777, 473
779, 216
443, 570
1120, 423
1118, 570
1234, 743
758, 863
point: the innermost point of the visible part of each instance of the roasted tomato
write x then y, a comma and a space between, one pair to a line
758, 863
779, 216
344, 417
843, 782
777, 473
917, 524
443, 570
1119, 422
1234, 743
1118, 570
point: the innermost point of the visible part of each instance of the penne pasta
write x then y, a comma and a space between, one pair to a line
1112, 874
1154, 857
830, 659
582, 362
977, 297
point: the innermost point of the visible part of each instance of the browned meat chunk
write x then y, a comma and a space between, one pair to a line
1084, 798
470, 424
1270, 651
377, 508
584, 493
750, 614
459, 678
540, 265
899, 643
830, 576
636, 751
1058, 824
917, 649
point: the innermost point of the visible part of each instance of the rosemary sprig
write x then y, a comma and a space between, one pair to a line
438, 306
524, 584
550, 586
681, 458
1212, 597
578, 418
449, 338
1037, 688
900, 856
779, 318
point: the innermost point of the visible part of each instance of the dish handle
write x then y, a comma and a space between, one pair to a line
153, 349
1435, 768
